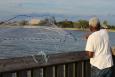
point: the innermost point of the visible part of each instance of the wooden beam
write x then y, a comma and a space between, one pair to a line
29, 62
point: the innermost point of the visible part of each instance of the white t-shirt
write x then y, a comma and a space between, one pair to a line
98, 42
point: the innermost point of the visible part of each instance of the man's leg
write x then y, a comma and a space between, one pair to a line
108, 72
94, 71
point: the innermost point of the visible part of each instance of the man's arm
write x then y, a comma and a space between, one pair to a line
90, 46
90, 54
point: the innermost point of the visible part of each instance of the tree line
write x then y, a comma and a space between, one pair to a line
81, 24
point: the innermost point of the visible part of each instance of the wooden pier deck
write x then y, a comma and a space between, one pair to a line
71, 64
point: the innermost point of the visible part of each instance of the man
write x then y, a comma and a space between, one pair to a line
99, 51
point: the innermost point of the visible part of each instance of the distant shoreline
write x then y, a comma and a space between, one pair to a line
75, 29
110, 30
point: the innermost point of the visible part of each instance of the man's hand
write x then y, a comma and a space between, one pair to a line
90, 54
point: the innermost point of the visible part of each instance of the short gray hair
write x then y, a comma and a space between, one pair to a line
94, 22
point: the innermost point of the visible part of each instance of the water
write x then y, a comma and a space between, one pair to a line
17, 42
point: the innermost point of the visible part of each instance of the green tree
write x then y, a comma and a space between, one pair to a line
77, 25
105, 24
65, 24
83, 24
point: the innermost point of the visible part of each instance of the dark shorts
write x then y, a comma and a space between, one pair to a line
95, 72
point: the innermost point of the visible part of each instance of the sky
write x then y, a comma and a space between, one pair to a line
66, 7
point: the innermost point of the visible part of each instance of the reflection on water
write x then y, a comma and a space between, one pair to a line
15, 42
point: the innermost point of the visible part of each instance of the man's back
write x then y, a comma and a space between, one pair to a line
98, 42
98, 49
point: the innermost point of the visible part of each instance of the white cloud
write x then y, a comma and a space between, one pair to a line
11, 7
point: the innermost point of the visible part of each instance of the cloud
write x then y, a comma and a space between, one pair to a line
74, 7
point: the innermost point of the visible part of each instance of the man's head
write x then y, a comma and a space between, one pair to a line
94, 24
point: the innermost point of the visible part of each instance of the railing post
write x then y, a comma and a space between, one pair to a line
6, 75
78, 69
70, 70
61, 70
22, 74
83, 68
87, 69
48, 71
54, 71
37, 72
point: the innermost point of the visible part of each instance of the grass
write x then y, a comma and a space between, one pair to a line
71, 28
111, 30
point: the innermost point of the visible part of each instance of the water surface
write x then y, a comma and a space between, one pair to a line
16, 42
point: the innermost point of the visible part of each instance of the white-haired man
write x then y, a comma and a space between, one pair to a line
99, 51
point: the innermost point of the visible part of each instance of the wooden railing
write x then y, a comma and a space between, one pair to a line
71, 64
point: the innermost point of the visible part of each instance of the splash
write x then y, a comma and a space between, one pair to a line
44, 57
